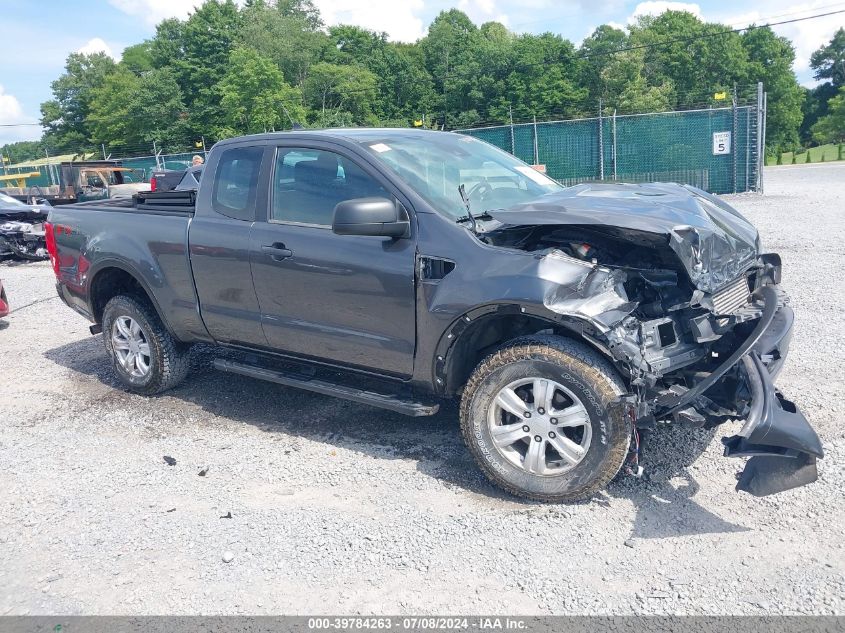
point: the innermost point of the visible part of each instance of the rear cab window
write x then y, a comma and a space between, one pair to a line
236, 182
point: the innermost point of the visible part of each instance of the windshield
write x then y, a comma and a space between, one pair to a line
9, 201
435, 164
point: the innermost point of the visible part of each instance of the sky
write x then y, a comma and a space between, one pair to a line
37, 35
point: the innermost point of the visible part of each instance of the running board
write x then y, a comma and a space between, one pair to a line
300, 381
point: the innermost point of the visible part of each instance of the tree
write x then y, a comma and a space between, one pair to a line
139, 57
289, 36
166, 48
627, 89
404, 88
542, 79
111, 102
22, 150
698, 58
448, 53
255, 97
828, 62
340, 95
65, 116
831, 127
197, 51
770, 59
130, 112
597, 53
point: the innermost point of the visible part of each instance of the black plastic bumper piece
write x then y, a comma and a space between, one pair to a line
781, 443
774, 425
768, 475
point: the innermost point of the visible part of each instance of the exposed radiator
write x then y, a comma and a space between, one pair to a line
732, 297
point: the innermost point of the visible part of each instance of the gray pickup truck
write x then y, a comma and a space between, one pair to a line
402, 268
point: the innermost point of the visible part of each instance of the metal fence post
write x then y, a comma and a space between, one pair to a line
536, 150
601, 146
747, 144
614, 145
758, 185
513, 144
763, 153
733, 135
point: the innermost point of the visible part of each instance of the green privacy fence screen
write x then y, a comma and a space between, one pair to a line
716, 149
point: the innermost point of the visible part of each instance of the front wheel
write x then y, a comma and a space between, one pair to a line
536, 417
146, 357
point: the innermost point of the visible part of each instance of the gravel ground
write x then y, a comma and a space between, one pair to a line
337, 507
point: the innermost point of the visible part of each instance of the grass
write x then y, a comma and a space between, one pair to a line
829, 151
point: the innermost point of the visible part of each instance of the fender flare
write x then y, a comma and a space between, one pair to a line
130, 269
444, 351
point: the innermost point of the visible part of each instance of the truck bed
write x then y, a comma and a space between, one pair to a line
145, 236
148, 202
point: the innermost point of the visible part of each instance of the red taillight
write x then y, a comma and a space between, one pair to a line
152, 183
52, 250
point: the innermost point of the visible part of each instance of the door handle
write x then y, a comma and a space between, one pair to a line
277, 251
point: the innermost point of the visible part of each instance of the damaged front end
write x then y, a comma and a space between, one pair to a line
678, 294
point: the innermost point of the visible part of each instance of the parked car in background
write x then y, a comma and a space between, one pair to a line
421, 266
165, 179
22, 228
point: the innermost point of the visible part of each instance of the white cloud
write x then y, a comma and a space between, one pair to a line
154, 11
11, 113
480, 11
656, 7
398, 18
96, 45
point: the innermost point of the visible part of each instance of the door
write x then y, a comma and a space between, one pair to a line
219, 240
339, 298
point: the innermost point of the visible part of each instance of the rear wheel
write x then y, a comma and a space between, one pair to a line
146, 357
535, 417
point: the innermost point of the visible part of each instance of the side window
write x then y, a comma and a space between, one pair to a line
309, 183
236, 182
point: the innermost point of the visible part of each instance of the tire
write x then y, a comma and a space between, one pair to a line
582, 384
166, 361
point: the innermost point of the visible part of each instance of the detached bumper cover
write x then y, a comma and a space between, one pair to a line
780, 441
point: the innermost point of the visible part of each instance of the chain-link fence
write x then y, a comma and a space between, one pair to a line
717, 149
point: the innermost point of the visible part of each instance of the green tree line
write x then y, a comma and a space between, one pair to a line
273, 65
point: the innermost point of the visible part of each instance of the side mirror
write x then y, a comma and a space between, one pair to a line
371, 216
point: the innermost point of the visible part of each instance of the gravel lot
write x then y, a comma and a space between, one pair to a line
337, 507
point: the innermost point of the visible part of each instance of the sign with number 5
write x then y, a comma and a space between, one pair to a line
721, 143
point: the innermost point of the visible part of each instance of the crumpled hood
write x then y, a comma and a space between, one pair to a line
714, 242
